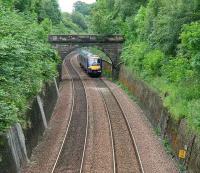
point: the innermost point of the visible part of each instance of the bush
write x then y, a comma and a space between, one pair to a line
176, 70
133, 55
162, 47
196, 62
194, 114
153, 62
190, 38
27, 61
190, 44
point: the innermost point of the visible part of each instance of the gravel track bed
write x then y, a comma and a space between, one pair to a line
152, 153
125, 155
72, 151
98, 154
44, 155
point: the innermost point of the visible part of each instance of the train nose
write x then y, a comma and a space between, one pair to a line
95, 67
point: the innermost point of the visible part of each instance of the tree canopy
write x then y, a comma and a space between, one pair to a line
162, 47
27, 61
83, 8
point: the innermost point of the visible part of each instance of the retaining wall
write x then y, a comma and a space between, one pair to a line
16, 145
177, 132
107, 66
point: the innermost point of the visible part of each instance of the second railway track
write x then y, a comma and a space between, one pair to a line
126, 155
71, 153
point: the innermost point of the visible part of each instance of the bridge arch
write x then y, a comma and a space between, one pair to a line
110, 45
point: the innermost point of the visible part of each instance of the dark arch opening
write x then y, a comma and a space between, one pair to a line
111, 45
76, 47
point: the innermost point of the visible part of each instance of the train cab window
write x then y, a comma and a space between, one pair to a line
93, 61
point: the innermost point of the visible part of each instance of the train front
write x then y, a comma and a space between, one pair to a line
94, 66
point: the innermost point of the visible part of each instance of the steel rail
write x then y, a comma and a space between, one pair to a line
128, 126
86, 133
110, 128
70, 120
71, 112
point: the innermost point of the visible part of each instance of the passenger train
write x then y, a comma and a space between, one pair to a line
91, 63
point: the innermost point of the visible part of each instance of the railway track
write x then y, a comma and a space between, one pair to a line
125, 153
99, 153
70, 157
126, 157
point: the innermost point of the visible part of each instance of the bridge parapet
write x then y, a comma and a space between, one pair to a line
85, 39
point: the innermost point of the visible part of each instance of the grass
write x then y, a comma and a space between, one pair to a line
124, 88
107, 74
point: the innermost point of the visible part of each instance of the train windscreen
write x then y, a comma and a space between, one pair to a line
94, 61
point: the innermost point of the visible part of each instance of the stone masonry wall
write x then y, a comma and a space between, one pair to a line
107, 67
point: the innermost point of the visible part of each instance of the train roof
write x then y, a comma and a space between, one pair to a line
86, 53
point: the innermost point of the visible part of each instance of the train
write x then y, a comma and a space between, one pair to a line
91, 63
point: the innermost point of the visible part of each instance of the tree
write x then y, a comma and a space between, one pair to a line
49, 9
82, 7
22, 5
78, 18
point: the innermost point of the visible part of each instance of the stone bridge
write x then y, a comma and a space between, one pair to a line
110, 45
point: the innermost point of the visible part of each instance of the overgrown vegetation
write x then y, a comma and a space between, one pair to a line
27, 61
162, 47
81, 13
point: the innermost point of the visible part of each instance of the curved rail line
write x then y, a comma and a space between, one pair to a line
106, 95
54, 166
111, 134
71, 154
86, 135
85, 78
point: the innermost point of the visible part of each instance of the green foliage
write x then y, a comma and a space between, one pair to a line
81, 15
196, 62
66, 26
181, 98
162, 47
42, 8
26, 62
7, 3
190, 37
69, 24
176, 103
22, 5
139, 21
126, 8
153, 62
83, 8
190, 44
103, 21
134, 54
168, 147
177, 70
78, 19
49, 9
194, 114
